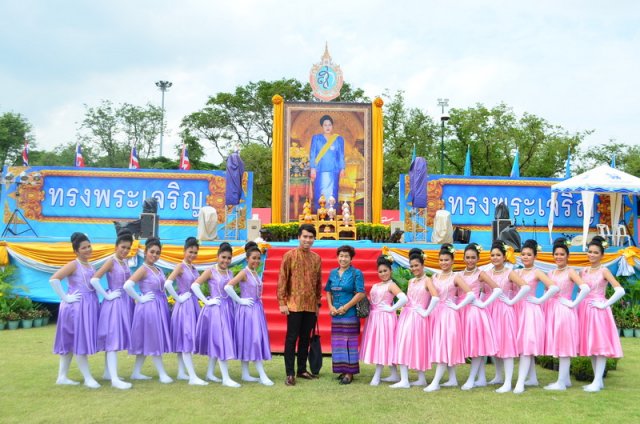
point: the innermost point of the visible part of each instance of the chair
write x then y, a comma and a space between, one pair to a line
605, 232
622, 235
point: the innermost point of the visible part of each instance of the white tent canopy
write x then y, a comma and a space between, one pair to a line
602, 180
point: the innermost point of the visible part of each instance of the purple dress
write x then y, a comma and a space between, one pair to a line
114, 322
185, 315
214, 332
77, 326
251, 335
150, 325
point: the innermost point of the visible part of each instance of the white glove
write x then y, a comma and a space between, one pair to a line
147, 297
402, 299
521, 293
195, 287
584, 291
618, 292
180, 298
432, 305
546, 296
95, 282
66, 298
467, 299
244, 301
495, 293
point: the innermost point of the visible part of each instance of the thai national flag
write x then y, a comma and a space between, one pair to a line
79, 158
25, 154
184, 159
134, 162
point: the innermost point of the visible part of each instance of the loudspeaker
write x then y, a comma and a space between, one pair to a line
148, 225
397, 225
497, 225
253, 229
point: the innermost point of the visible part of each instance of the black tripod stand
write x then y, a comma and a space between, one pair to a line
17, 218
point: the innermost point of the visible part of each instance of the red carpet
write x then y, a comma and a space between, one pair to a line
365, 260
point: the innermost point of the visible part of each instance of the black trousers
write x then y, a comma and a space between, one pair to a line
299, 326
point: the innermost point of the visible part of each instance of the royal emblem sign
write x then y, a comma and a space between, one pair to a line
326, 78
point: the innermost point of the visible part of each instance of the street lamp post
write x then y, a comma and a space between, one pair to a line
443, 118
163, 86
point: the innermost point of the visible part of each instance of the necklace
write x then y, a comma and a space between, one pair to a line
527, 269
471, 271
446, 274
561, 269
498, 271
595, 268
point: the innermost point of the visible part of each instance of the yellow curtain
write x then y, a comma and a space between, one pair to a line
4, 255
377, 136
277, 164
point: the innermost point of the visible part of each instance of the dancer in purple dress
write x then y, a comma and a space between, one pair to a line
477, 329
214, 332
114, 322
599, 336
561, 320
150, 333
77, 324
184, 316
530, 317
251, 336
413, 331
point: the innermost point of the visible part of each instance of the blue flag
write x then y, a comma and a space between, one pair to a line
467, 164
613, 161
567, 169
515, 169
413, 155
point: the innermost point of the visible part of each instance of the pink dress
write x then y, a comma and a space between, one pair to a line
531, 322
503, 316
561, 322
477, 328
413, 331
598, 332
379, 334
446, 336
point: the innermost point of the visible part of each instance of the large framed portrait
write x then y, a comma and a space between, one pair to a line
327, 154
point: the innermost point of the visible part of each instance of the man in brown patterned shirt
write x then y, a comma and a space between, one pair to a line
299, 291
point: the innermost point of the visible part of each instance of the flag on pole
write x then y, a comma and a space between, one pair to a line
613, 161
25, 153
567, 170
467, 163
79, 158
515, 169
134, 162
185, 165
413, 155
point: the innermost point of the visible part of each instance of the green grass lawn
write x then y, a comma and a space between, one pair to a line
28, 394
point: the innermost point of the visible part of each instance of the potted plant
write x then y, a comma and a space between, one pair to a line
26, 317
46, 315
581, 368
37, 317
13, 320
635, 317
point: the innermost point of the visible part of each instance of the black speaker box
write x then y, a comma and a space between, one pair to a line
148, 225
497, 225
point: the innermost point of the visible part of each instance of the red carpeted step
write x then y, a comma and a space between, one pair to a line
365, 260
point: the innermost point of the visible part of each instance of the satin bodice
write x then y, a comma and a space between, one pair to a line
503, 282
119, 273
79, 280
473, 281
188, 276
380, 295
252, 286
529, 277
564, 283
445, 286
153, 281
417, 294
596, 282
217, 282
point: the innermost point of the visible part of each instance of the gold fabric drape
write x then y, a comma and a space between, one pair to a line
377, 136
277, 153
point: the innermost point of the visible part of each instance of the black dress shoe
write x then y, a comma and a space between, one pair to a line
290, 381
347, 379
340, 377
306, 375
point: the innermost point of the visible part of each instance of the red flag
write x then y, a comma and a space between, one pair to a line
134, 162
185, 165
79, 158
25, 153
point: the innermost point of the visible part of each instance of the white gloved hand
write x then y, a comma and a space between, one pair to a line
402, 300
129, 288
618, 293
183, 297
467, 299
168, 286
66, 298
244, 301
95, 283
546, 296
195, 287
495, 293
432, 305
584, 291
524, 290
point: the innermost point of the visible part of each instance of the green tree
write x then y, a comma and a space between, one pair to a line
140, 127
63, 155
14, 130
627, 157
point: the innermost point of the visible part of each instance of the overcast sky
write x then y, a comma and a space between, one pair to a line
574, 63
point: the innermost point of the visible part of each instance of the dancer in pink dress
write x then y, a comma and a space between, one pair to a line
503, 315
599, 337
77, 324
561, 321
414, 330
379, 334
184, 317
446, 338
477, 327
530, 338
116, 311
